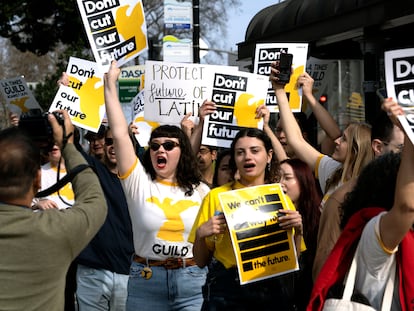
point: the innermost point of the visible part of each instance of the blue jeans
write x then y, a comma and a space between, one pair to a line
99, 289
166, 290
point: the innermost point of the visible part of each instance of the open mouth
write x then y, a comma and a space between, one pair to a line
161, 162
249, 165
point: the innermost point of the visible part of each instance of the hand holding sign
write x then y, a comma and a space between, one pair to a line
393, 110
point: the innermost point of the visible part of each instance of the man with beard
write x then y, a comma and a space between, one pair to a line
206, 156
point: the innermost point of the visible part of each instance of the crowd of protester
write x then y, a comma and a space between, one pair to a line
136, 228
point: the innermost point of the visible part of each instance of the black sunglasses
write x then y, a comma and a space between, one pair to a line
168, 145
109, 141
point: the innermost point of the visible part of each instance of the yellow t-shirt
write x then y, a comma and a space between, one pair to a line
222, 250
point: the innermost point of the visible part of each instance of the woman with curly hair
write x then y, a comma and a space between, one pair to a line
376, 218
164, 194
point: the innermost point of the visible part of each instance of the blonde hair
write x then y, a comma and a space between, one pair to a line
359, 154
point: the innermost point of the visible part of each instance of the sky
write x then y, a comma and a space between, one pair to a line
240, 18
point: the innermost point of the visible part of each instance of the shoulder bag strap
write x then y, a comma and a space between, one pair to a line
389, 288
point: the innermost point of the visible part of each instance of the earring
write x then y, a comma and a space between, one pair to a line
268, 166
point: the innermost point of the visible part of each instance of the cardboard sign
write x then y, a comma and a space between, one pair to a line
84, 97
116, 29
263, 250
237, 95
399, 75
265, 54
18, 96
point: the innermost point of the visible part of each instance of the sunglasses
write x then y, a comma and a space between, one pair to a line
168, 145
109, 141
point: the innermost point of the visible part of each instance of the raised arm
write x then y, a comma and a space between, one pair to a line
207, 108
303, 150
124, 149
399, 220
263, 111
324, 118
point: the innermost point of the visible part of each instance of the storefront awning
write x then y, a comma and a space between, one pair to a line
333, 29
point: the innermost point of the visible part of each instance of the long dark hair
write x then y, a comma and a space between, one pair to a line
221, 155
272, 174
308, 201
375, 186
187, 172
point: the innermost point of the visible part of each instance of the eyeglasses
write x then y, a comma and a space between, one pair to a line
400, 147
204, 150
168, 145
109, 141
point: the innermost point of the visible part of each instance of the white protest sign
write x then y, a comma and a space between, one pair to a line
174, 89
83, 98
18, 96
265, 54
237, 95
399, 76
116, 29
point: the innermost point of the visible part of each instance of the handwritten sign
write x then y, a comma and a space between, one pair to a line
18, 96
174, 89
116, 29
83, 98
399, 75
262, 248
237, 95
265, 54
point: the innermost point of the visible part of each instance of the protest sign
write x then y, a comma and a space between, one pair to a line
399, 75
144, 127
262, 248
174, 89
116, 29
18, 96
265, 54
237, 95
83, 98
130, 83
322, 71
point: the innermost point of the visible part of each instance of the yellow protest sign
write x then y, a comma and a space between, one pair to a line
265, 54
83, 98
237, 96
262, 248
116, 29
